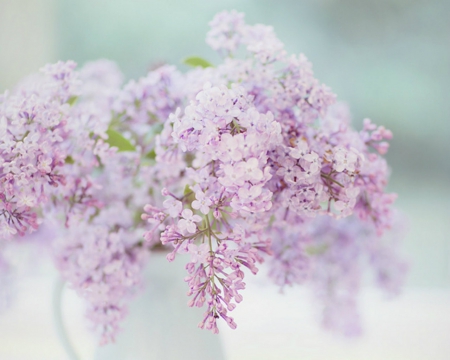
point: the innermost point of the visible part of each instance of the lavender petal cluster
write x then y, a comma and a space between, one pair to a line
272, 166
250, 160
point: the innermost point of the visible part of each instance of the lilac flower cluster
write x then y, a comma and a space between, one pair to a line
267, 151
329, 256
59, 166
33, 130
100, 252
231, 164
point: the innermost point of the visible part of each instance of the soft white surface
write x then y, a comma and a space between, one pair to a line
415, 326
270, 326
26, 328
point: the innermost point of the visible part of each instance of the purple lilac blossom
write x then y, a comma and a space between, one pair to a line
272, 166
233, 164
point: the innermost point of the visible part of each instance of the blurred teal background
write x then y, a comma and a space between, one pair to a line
389, 59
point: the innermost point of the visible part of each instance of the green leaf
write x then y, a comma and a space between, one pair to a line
151, 155
316, 250
72, 100
137, 217
271, 220
117, 140
187, 190
69, 160
196, 61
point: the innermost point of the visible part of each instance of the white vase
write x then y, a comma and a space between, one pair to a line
160, 325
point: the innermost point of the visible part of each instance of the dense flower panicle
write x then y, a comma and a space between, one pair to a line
216, 268
291, 263
150, 99
231, 163
56, 159
64, 83
101, 79
101, 254
105, 202
225, 33
267, 150
336, 279
328, 255
33, 137
102, 266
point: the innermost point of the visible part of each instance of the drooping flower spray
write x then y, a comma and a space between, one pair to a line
248, 160
268, 156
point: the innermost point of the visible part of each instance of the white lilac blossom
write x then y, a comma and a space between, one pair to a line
231, 164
